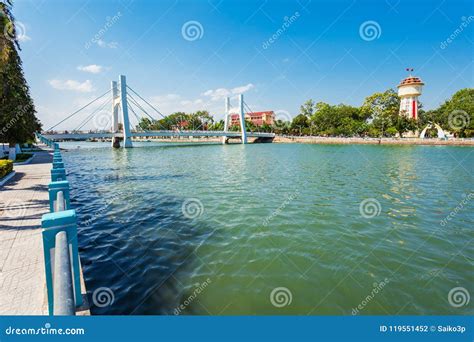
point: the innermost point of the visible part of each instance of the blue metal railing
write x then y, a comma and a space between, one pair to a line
61, 255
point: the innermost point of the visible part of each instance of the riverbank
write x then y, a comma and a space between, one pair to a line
372, 141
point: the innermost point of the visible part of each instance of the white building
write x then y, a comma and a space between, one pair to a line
409, 89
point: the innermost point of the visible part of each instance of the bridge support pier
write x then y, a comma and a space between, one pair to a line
115, 142
242, 118
115, 109
127, 136
226, 119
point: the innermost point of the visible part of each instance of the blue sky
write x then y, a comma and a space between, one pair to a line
70, 54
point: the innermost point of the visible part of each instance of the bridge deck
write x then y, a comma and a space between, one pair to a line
101, 135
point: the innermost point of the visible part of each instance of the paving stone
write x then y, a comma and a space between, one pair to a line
23, 200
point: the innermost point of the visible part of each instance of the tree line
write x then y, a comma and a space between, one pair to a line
378, 116
18, 120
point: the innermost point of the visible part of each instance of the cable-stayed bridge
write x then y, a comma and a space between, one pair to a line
124, 100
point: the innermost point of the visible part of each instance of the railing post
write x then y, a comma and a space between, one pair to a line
54, 188
60, 203
52, 224
58, 165
58, 174
62, 284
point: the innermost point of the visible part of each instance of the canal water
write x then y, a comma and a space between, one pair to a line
274, 228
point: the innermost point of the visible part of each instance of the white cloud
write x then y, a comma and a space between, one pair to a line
82, 87
220, 93
93, 68
165, 98
104, 44
242, 89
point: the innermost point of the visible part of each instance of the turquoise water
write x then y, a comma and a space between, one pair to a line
221, 230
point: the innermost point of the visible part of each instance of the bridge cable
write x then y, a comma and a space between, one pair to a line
130, 97
135, 102
156, 110
137, 117
83, 123
77, 111
251, 111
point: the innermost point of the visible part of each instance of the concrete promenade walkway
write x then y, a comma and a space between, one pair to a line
23, 200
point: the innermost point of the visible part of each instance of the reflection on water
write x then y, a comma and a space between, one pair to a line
273, 216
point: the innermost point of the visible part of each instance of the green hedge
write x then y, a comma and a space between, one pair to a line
20, 157
6, 166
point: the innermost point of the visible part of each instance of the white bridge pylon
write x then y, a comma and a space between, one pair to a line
241, 118
119, 100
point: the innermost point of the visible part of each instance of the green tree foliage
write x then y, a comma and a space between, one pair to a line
18, 121
379, 116
281, 127
455, 115
307, 108
217, 126
382, 111
200, 120
300, 124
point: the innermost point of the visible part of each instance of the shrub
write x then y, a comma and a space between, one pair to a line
6, 166
23, 156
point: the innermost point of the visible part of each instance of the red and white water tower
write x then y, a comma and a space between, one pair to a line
409, 89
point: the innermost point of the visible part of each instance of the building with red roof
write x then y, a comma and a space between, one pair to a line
257, 118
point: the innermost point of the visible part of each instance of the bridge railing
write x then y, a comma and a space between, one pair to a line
154, 132
61, 256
